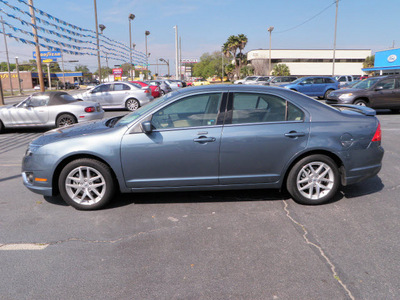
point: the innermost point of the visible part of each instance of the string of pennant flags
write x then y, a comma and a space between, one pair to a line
137, 56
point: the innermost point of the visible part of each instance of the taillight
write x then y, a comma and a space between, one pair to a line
146, 91
378, 134
90, 109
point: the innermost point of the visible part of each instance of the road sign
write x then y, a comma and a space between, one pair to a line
49, 60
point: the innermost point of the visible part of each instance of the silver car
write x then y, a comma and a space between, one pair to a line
118, 95
49, 109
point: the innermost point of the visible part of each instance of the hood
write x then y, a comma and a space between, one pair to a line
76, 130
345, 91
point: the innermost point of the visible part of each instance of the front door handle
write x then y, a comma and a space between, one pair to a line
204, 139
294, 134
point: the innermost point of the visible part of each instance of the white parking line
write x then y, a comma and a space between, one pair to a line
14, 247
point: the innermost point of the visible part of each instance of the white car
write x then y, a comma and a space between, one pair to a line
118, 95
259, 80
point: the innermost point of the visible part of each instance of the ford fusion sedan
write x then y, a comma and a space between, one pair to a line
118, 95
375, 92
315, 86
210, 138
48, 109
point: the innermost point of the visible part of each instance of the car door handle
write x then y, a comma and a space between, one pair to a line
204, 139
294, 134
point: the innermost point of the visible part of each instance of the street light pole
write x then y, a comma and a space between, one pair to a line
270, 34
131, 17
146, 33
334, 40
19, 79
176, 52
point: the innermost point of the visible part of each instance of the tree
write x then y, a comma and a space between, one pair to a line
82, 68
369, 62
281, 70
210, 65
231, 46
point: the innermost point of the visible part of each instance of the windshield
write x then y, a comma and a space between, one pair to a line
144, 109
297, 81
366, 84
251, 78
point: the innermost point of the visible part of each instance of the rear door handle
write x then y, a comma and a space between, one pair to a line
204, 139
294, 134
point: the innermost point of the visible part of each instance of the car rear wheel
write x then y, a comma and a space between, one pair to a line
162, 92
360, 102
327, 94
65, 120
86, 184
313, 180
1, 126
132, 104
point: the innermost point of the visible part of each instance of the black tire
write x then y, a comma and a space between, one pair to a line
162, 93
86, 184
303, 175
132, 104
327, 94
65, 120
1, 127
394, 110
360, 102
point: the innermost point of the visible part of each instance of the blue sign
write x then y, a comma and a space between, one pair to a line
387, 58
48, 54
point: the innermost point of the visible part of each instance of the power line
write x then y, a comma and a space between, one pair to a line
326, 8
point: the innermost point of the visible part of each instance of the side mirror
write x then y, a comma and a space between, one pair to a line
147, 127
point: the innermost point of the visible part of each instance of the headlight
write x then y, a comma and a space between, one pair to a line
32, 148
346, 96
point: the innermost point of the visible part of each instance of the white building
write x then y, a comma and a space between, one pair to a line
304, 62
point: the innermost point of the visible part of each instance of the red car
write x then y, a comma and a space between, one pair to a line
155, 90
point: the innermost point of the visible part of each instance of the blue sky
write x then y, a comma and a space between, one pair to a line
204, 25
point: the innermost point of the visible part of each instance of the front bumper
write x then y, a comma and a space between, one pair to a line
42, 189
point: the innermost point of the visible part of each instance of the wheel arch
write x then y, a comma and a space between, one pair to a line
362, 98
67, 160
65, 113
329, 154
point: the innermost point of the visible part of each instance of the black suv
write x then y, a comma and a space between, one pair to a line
375, 92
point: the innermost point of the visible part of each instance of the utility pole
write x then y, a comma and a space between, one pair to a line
334, 40
98, 42
270, 59
180, 59
38, 57
49, 75
8, 60
62, 64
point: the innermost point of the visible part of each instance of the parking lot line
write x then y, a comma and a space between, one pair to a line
9, 247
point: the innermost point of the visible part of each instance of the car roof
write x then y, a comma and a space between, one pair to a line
54, 97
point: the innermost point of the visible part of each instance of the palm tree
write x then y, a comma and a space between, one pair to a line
281, 70
230, 48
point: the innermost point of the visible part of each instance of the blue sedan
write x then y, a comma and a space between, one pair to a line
210, 138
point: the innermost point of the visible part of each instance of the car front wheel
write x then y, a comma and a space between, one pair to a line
327, 94
132, 104
313, 180
360, 102
86, 184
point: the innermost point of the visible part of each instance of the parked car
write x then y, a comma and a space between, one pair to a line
118, 95
200, 81
279, 80
242, 81
375, 92
164, 87
174, 84
272, 138
259, 80
155, 90
48, 109
344, 79
315, 86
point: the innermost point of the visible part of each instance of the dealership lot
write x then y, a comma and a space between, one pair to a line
210, 245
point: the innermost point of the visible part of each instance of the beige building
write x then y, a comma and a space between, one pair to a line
305, 62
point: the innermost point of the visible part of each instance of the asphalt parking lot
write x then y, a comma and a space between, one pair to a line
202, 245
